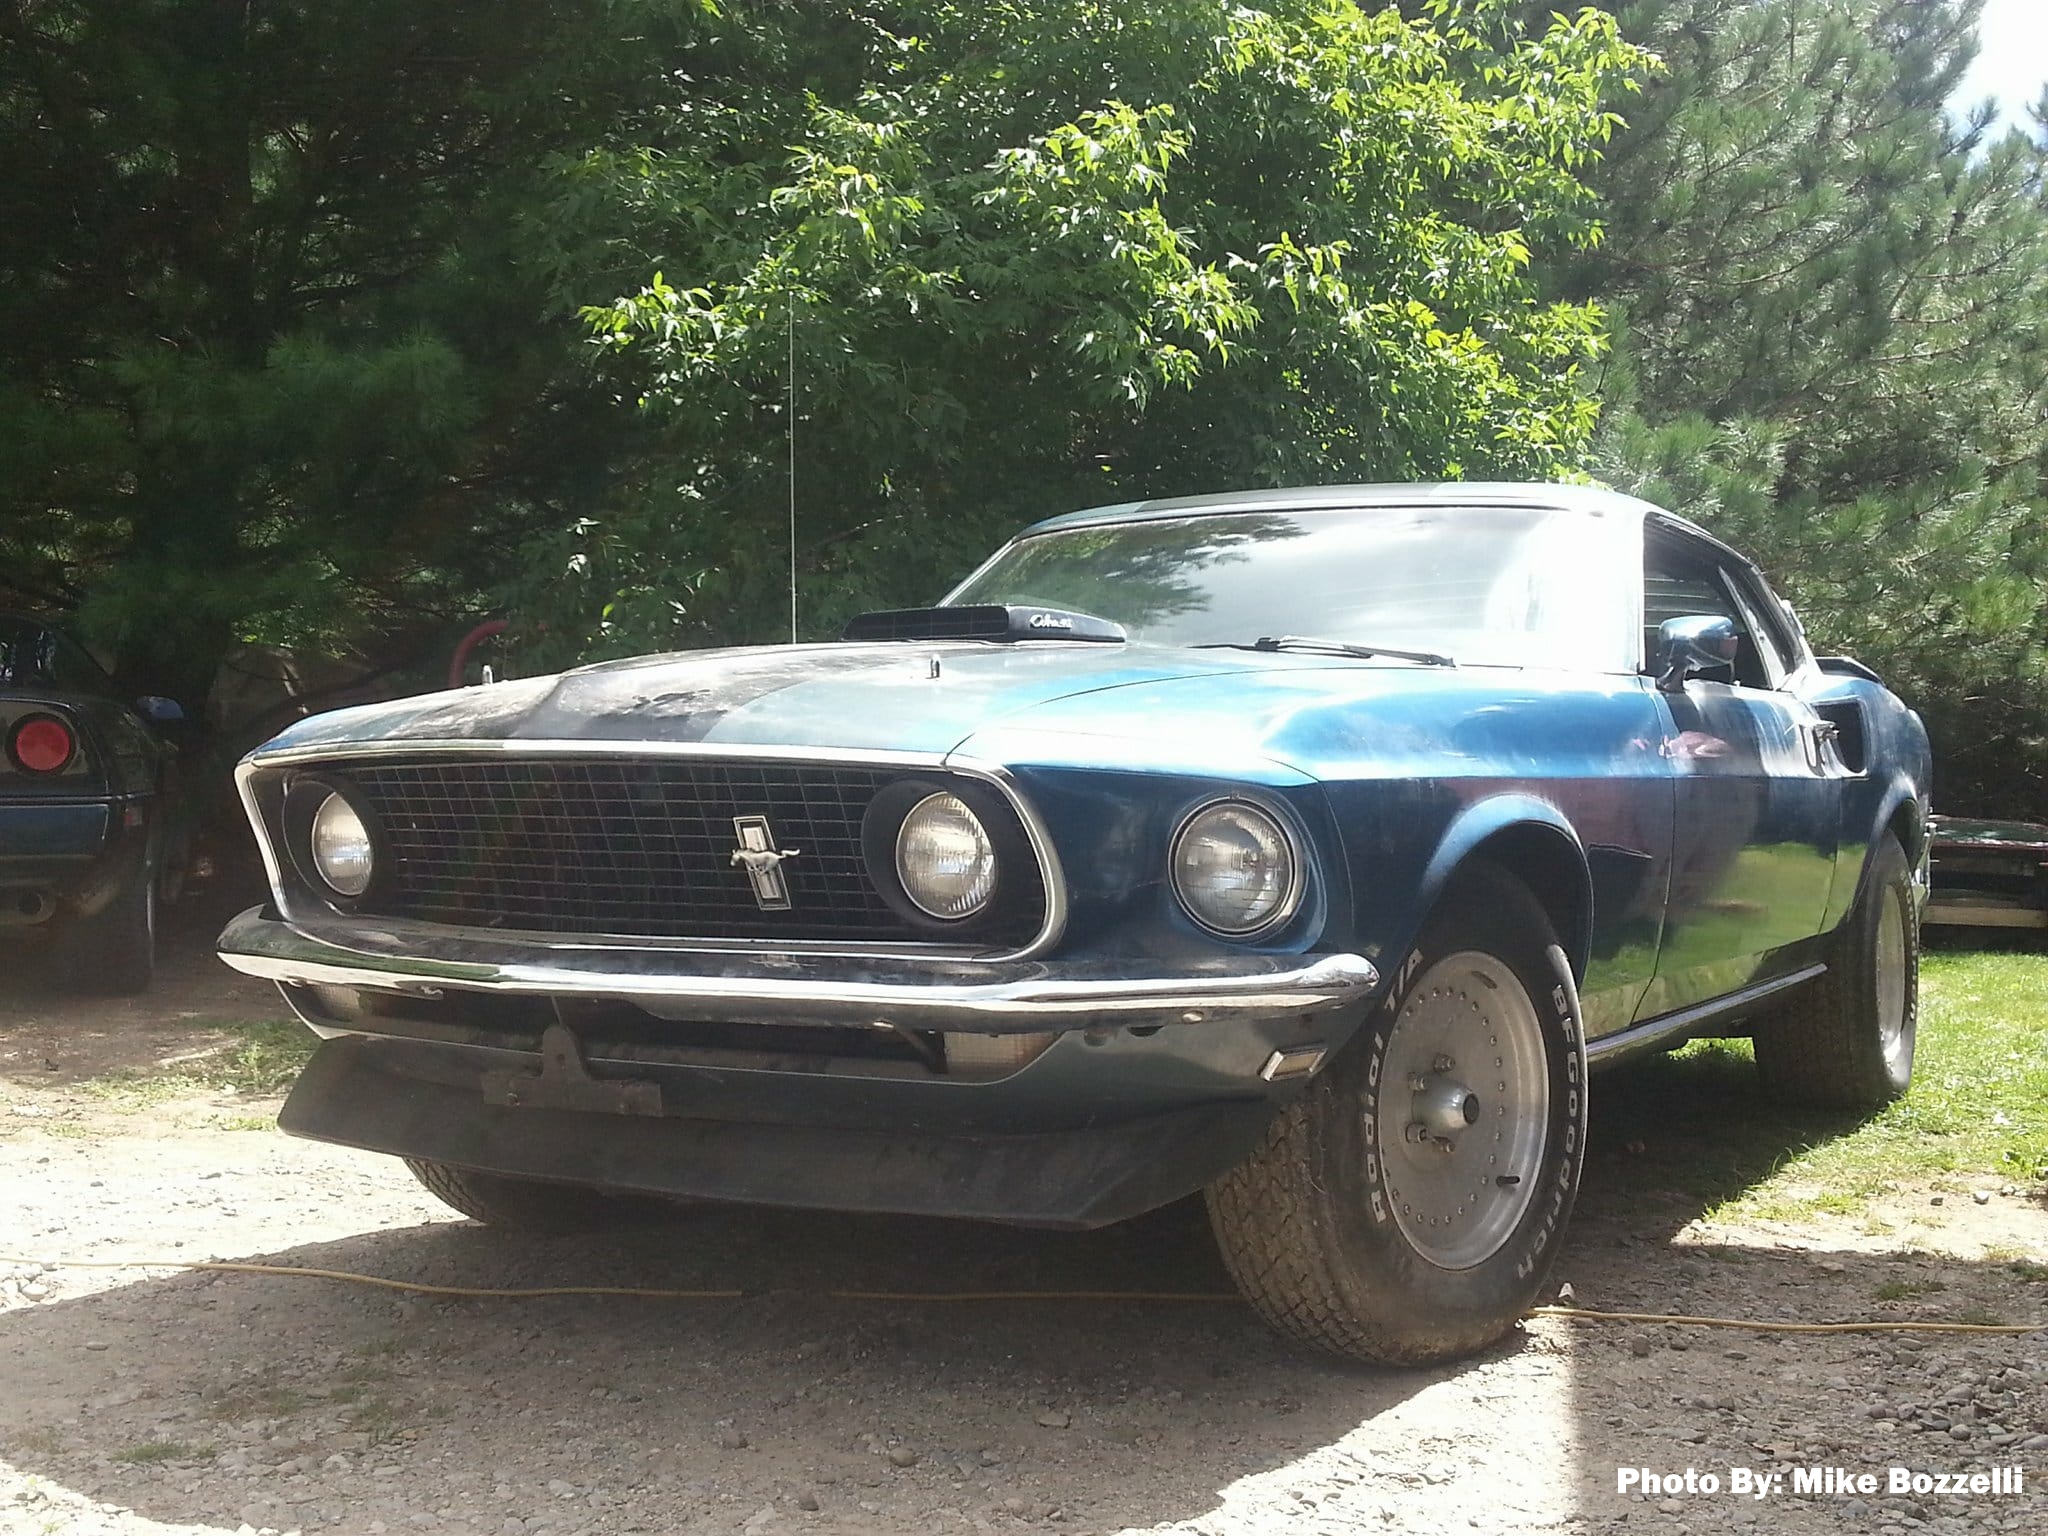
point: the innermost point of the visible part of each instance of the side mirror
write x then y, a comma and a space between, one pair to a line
1692, 644
160, 711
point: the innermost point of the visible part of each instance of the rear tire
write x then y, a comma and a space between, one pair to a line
1846, 1041
531, 1205
1407, 1206
112, 952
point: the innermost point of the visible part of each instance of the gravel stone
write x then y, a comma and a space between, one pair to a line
331, 1410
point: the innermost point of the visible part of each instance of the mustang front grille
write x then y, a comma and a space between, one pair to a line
644, 847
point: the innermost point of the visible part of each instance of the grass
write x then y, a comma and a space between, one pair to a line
151, 1452
2016, 1261
380, 1419
255, 1059
1977, 1113
255, 1399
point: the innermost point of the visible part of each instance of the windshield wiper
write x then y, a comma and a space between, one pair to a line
1331, 647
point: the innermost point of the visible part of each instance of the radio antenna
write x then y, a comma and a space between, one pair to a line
792, 468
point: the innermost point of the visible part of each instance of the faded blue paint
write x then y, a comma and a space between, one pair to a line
1709, 841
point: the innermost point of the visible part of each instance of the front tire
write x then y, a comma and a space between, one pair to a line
1846, 1041
530, 1205
1408, 1206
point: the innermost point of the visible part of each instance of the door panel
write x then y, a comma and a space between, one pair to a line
1757, 801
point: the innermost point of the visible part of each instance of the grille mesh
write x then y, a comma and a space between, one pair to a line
642, 847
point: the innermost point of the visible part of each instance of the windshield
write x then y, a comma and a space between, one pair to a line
1498, 585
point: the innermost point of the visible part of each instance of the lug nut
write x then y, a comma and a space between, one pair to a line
1417, 1082
1417, 1132
1442, 1064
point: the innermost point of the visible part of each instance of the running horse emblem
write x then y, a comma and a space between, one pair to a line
762, 860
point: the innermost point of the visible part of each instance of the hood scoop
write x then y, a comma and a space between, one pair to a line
987, 621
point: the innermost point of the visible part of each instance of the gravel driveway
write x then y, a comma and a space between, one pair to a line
157, 1401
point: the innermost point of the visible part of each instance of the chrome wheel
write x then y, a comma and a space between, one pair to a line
1408, 1204
1889, 981
1464, 1110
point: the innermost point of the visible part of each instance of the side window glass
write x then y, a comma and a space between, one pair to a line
1675, 586
1775, 623
1776, 663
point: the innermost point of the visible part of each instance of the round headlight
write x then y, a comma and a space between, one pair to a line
1233, 868
341, 846
944, 858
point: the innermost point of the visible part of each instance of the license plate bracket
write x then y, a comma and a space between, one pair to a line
564, 1082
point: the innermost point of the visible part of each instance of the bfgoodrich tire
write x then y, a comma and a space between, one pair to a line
530, 1205
1846, 1041
1408, 1206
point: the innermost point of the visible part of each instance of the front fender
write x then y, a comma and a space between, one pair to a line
1529, 836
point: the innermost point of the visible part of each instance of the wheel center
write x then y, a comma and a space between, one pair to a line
1445, 1107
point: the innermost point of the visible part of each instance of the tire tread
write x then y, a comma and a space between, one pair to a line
526, 1205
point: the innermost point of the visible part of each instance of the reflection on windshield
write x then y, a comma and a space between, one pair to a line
1507, 585
1140, 574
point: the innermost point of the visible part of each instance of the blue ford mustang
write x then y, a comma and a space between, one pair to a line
1303, 847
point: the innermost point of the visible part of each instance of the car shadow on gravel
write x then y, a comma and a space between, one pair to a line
1674, 1137
223, 1400
161, 1395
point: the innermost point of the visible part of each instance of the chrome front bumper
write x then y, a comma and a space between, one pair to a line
782, 987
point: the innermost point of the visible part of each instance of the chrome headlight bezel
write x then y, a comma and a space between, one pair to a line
1295, 884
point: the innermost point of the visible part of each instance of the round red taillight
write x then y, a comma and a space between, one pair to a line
41, 744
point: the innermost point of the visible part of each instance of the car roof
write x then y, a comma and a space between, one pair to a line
1554, 496
1362, 497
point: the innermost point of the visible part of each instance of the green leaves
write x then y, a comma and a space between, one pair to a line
369, 323
1040, 255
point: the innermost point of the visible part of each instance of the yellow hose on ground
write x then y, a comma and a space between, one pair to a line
422, 1288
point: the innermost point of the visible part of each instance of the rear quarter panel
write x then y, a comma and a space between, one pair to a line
1893, 784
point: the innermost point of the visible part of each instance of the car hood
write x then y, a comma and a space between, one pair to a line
1273, 718
925, 697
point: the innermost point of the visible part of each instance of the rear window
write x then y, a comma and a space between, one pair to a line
33, 655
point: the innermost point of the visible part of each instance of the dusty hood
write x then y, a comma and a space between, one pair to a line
863, 697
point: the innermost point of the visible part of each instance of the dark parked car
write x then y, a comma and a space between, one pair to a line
1301, 847
88, 834
1988, 874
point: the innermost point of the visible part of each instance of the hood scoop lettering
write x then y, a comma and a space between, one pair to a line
988, 621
